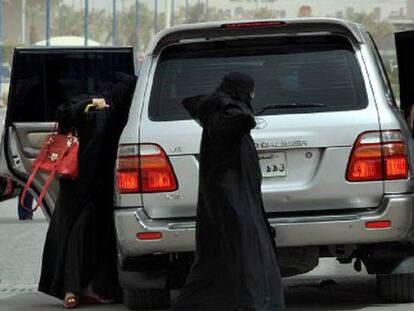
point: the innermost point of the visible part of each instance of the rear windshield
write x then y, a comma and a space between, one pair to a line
303, 70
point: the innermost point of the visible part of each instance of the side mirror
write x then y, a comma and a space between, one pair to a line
8, 189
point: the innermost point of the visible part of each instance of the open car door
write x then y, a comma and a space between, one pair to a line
43, 78
404, 42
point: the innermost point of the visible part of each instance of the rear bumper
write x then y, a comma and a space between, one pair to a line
179, 236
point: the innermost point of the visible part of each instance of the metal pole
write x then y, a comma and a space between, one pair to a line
172, 12
60, 17
186, 11
1, 45
167, 13
207, 10
114, 23
85, 22
155, 16
199, 13
123, 21
48, 11
23, 22
137, 23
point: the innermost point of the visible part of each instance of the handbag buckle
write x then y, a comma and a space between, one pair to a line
71, 141
54, 157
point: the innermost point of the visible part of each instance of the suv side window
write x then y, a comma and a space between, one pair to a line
385, 80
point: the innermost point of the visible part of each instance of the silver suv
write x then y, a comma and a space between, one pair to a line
335, 151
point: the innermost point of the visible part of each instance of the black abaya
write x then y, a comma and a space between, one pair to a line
80, 245
235, 266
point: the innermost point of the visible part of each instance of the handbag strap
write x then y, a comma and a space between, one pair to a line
27, 186
44, 188
33, 174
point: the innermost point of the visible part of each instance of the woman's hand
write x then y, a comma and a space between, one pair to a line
99, 103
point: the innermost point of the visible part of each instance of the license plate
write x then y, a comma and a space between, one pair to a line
273, 164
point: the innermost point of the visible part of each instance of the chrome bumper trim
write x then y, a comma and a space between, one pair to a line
179, 236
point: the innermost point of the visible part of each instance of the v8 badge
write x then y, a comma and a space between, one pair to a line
174, 196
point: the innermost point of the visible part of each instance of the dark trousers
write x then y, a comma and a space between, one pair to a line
24, 213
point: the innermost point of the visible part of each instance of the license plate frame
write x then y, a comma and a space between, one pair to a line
273, 164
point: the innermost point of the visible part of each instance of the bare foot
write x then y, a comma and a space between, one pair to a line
70, 301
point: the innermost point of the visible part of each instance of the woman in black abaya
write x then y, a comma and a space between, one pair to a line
235, 265
80, 257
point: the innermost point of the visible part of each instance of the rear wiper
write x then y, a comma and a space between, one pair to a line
292, 105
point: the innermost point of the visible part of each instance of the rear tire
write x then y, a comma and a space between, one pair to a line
297, 260
146, 299
397, 288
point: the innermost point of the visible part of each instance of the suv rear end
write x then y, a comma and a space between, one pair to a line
335, 152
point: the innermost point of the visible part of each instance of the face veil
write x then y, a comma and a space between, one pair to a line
239, 86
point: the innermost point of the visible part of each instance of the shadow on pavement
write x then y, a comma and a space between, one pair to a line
333, 293
302, 294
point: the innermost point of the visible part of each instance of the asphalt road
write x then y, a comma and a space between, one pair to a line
20, 253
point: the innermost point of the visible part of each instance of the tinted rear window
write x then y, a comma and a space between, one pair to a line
322, 70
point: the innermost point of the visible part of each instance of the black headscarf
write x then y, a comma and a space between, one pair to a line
239, 86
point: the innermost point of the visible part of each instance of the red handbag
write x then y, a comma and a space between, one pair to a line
58, 157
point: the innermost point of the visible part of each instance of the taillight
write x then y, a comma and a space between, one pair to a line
261, 24
144, 168
378, 155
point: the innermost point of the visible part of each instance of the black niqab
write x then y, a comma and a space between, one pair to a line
235, 266
238, 86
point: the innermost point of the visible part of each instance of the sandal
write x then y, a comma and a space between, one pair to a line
89, 300
70, 302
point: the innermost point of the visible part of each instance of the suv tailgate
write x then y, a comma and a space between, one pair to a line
306, 149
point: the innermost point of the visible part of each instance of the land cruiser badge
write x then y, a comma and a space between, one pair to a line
281, 144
